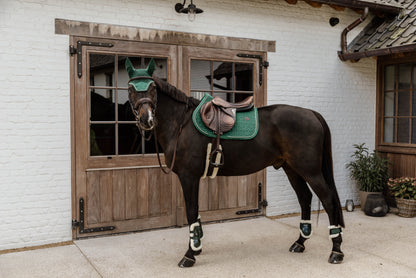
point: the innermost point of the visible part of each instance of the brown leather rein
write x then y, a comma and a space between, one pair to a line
153, 106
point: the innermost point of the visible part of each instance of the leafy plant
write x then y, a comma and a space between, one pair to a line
404, 188
369, 170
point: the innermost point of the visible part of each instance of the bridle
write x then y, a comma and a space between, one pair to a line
138, 105
152, 104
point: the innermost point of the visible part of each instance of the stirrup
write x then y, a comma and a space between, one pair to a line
213, 158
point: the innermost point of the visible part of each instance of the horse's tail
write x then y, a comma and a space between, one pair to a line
328, 171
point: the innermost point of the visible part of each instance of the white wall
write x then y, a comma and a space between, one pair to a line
35, 154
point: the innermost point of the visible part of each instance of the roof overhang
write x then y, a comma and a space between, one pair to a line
354, 56
373, 5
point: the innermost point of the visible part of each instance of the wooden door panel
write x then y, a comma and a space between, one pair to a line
222, 197
129, 198
119, 195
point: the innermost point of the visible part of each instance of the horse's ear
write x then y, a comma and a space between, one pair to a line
151, 67
129, 67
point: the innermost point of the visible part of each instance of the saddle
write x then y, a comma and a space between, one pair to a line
219, 116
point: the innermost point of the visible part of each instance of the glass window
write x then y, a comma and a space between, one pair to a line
399, 113
113, 129
229, 80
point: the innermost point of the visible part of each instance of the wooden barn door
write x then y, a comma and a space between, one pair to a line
232, 75
118, 185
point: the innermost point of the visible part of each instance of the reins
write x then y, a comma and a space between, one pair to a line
176, 143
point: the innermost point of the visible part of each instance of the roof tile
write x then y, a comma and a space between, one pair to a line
389, 32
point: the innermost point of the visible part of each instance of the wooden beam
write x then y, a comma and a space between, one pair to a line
292, 2
314, 4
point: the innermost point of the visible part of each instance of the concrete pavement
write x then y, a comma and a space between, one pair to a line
373, 247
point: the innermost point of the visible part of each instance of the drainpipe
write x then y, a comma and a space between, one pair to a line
346, 30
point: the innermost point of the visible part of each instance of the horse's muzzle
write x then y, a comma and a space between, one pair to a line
145, 120
143, 111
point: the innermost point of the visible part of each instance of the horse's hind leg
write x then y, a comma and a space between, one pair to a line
330, 201
304, 197
190, 188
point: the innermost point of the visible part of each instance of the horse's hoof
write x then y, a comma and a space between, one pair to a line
196, 253
186, 262
336, 257
297, 248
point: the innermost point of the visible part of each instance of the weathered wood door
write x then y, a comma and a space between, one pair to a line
232, 75
117, 178
117, 185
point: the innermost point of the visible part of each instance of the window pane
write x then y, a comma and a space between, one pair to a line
161, 69
149, 146
102, 105
200, 75
102, 139
102, 70
403, 130
124, 110
413, 131
241, 97
414, 103
129, 140
389, 104
389, 78
225, 96
223, 76
243, 77
403, 106
198, 95
414, 77
404, 76
388, 130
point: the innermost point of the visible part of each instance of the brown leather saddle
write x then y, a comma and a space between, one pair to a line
219, 116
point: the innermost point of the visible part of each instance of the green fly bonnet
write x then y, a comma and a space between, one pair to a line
138, 76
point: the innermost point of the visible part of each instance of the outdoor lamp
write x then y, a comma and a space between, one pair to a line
191, 10
349, 205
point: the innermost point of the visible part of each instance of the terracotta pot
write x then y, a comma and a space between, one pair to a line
363, 197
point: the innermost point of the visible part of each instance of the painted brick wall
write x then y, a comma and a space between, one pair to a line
35, 170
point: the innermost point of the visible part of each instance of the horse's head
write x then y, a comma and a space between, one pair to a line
142, 94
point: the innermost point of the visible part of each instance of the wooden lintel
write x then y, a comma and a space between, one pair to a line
314, 4
118, 32
292, 2
337, 8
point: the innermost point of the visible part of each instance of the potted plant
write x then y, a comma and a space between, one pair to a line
404, 191
369, 170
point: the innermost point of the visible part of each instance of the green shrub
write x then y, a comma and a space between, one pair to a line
369, 170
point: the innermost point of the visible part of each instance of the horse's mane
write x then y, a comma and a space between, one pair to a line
176, 94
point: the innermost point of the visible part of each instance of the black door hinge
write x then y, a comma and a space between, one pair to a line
263, 64
262, 204
80, 224
78, 51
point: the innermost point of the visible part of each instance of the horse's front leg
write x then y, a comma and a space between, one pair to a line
190, 188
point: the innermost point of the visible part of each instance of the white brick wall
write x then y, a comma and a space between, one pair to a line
35, 174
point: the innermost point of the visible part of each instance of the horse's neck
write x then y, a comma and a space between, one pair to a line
170, 115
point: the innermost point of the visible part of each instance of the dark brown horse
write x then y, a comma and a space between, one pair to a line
296, 139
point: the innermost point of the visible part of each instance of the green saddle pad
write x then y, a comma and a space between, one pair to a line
245, 128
